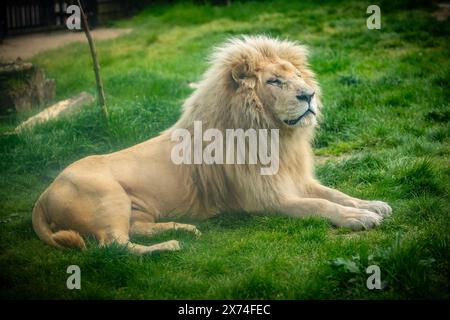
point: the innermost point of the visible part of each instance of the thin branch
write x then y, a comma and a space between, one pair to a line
98, 79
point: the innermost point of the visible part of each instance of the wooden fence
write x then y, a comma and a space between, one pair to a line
24, 16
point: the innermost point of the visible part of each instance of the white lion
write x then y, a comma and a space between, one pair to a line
253, 82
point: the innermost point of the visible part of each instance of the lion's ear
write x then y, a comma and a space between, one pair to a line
242, 74
244, 77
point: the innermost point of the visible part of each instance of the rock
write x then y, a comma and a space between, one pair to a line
57, 110
23, 86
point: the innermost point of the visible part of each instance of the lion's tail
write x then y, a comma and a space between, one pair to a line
60, 239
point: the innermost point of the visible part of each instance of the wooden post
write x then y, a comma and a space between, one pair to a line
98, 79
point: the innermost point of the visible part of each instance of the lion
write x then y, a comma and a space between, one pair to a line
252, 82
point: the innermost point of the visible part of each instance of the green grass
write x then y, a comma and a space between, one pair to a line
385, 135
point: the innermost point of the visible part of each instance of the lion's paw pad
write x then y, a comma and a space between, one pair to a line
364, 221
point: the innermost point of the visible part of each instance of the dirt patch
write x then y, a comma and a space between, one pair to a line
27, 46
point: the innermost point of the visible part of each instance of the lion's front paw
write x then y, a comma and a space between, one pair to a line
172, 245
360, 220
379, 207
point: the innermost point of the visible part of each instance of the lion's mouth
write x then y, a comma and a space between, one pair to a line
295, 121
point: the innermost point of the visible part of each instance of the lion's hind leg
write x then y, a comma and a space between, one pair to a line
122, 238
151, 228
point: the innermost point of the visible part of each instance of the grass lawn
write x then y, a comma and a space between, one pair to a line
385, 135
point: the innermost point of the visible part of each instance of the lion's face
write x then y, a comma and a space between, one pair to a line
260, 82
289, 93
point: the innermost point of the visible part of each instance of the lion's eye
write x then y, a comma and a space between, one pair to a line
275, 82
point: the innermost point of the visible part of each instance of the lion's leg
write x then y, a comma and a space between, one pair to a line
139, 249
119, 233
341, 216
122, 238
317, 190
110, 221
151, 229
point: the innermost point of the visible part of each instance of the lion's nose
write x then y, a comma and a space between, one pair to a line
305, 96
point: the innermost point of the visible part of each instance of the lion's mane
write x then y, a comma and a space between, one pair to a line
220, 102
